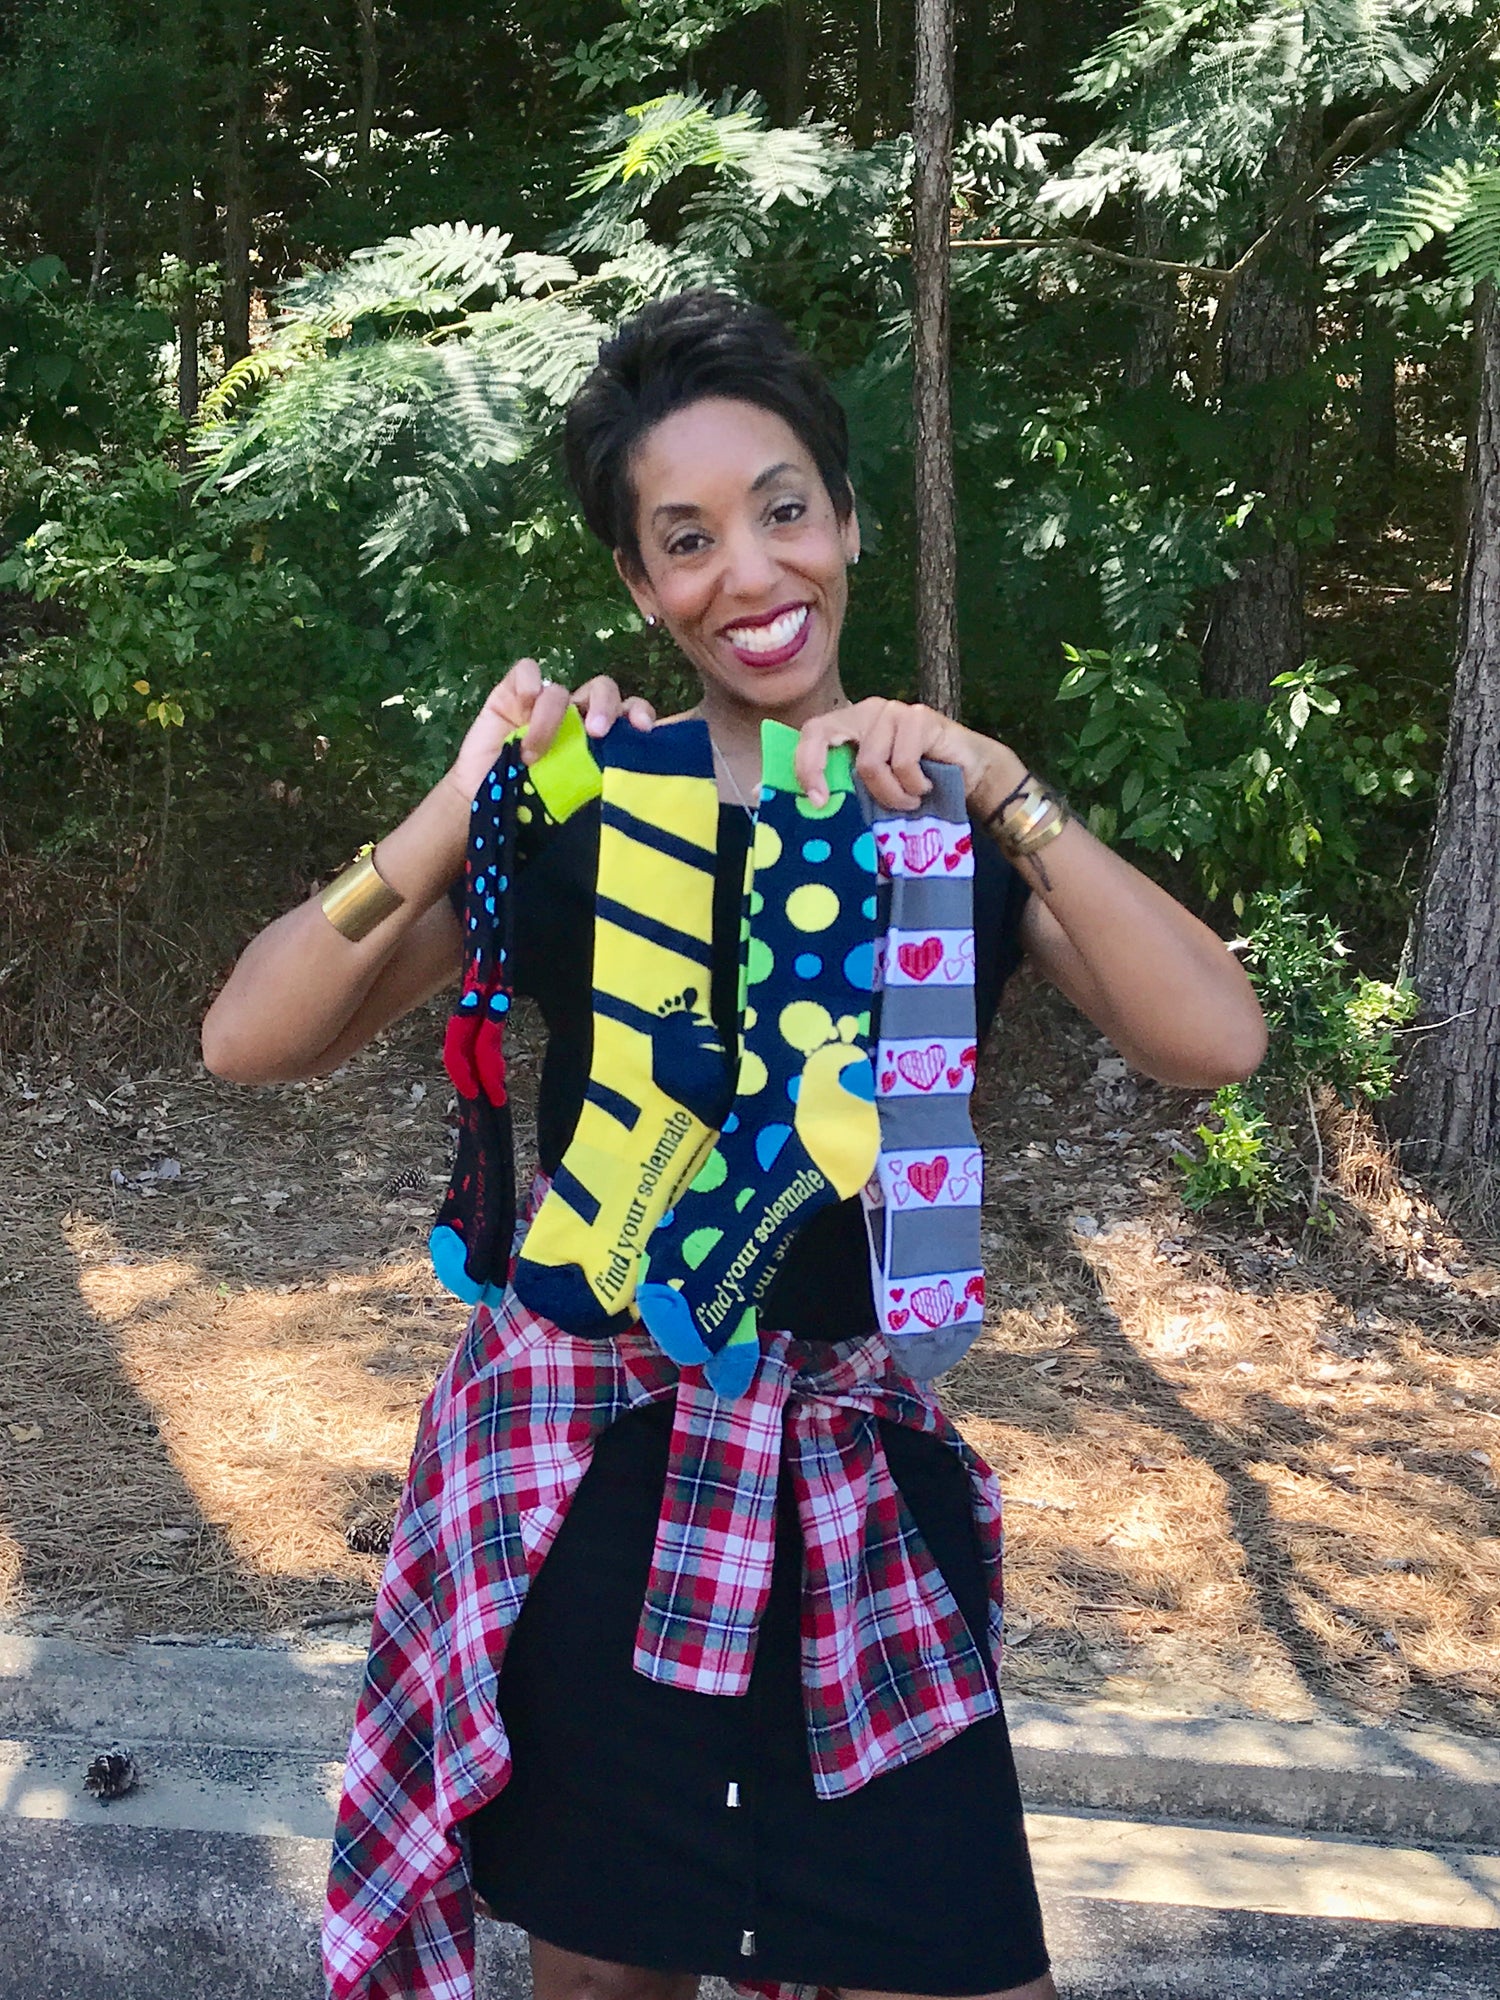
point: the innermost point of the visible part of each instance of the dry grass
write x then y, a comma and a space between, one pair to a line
1238, 1468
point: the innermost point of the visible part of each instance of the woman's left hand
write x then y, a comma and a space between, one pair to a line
891, 738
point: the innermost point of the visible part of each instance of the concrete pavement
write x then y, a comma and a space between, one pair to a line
206, 1882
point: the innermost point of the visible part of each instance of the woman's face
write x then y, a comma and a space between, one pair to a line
743, 557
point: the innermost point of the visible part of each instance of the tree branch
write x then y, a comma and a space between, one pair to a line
1208, 274
1370, 133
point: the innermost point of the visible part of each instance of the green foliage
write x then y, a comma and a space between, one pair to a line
1246, 795
653, 35
46, 384
1329, 1030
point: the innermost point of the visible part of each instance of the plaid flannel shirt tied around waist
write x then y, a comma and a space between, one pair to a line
890, 1668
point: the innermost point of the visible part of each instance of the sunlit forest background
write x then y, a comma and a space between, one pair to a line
293, 295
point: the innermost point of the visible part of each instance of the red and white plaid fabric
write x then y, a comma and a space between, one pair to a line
890, 1668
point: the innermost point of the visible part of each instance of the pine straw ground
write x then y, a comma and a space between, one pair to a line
1241, 1471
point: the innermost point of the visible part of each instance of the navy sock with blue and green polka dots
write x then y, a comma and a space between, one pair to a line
803, 1129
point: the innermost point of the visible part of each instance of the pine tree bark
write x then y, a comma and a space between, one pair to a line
794, 60
187, 310
1378, 438
235, 293
1255, 630
369, 78
1149, 358
1449, 1107
932, 192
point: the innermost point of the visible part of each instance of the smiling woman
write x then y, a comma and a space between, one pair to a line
691, 1668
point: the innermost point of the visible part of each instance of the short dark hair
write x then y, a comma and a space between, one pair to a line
675, 352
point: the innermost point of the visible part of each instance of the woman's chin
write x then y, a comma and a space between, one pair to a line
773, 690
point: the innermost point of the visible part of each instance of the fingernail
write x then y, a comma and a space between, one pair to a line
596, 725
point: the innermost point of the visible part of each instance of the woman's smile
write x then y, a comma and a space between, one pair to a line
772, 640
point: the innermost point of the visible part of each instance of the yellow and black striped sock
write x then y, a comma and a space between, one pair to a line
659, 1081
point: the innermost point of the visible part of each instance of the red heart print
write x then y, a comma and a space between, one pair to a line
951, 860
927, 1176
933, 1303
887, 1078
955, 1077
921, 1066
921, 849
896, 1320
969, 1058
898, 1293
920, 961
975, 1288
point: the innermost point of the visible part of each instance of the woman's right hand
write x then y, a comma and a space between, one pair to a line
523, 700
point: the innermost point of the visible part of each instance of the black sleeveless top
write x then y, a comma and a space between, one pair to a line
822, 1290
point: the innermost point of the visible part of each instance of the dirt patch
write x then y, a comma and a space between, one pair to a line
1238, 1467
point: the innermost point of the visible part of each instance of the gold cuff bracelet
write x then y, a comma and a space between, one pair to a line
1027, 819
359, 899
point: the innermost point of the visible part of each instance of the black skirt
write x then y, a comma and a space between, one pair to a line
680, 1832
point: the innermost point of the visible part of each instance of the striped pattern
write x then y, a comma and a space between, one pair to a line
641, 1134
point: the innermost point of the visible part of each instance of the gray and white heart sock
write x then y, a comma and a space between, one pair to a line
922, 1202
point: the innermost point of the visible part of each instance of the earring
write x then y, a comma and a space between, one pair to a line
651, 621
854, 559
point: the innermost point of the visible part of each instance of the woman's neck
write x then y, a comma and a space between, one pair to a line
735, 725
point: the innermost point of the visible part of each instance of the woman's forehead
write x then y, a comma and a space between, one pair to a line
714, 449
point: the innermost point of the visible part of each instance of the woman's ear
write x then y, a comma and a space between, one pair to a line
639, 586
849, 530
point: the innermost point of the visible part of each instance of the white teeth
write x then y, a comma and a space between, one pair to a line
768, 638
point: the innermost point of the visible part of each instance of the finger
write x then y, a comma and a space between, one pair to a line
598, 701
511, 698
810, 759
874, 761
546, 713
640, 711
915, 731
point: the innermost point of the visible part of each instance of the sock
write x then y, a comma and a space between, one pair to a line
802, 1131
471, 1241
922, 1203
659, 1077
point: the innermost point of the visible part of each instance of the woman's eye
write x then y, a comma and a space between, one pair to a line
688, 544
786, 511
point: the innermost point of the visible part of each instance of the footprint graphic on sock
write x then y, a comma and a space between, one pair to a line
687, 1058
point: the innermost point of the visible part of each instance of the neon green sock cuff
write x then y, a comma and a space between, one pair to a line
565, 776
778, 748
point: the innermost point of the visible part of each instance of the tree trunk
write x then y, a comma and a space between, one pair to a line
794, 60
1255, 631
1149, 358
1449, 1106
235, 294
369, 78
932, 194
864, 116
1377, 404
99, 215
187, 310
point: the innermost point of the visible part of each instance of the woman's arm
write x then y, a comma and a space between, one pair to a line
302, 996
1159, 983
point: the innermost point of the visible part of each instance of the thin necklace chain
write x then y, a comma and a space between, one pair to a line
734, 783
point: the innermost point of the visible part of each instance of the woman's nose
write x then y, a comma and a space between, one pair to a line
750, 569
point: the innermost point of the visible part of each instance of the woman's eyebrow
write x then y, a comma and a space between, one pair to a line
771, 472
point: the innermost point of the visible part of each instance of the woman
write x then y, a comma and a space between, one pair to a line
642, 1831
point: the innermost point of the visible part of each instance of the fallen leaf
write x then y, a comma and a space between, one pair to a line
25, 1433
